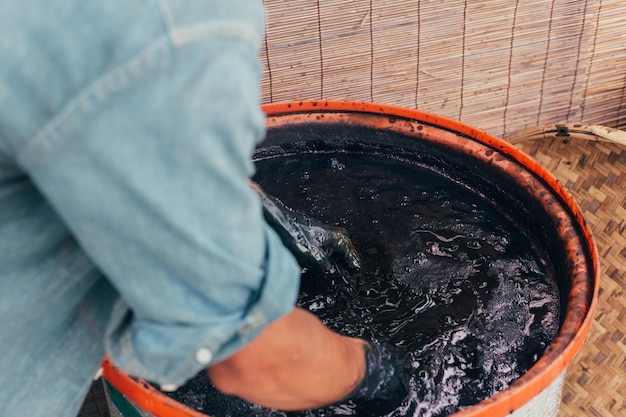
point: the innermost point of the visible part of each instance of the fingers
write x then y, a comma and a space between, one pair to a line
340, 247
350, 256
384, 386
314, 245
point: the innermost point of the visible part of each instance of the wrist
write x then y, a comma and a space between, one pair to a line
384, 384
354, 358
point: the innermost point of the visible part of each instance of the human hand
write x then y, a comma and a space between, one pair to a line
384, 385
315, 245
296, 363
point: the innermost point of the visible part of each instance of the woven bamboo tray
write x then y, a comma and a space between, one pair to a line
595, 174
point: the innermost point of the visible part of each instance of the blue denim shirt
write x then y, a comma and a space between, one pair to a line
126, 220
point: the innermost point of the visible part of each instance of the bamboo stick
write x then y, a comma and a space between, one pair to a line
570, 131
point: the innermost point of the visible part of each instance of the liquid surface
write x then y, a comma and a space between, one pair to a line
447, 279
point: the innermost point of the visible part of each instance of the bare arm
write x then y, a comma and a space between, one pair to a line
295, 364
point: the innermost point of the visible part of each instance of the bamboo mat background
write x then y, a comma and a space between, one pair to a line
500, 65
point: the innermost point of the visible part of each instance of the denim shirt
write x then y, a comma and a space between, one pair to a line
126, 221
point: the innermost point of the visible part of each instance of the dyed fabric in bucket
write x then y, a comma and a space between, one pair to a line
458, 272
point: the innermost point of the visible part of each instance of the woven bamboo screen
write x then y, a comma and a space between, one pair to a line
499, 65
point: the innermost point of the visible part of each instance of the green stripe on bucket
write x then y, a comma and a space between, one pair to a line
125, 407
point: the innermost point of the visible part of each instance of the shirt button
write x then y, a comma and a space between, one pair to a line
168, 387
98, 374
204, 356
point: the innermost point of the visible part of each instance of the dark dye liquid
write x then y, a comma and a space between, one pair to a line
448, 278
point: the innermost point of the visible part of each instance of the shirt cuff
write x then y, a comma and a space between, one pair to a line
172, 353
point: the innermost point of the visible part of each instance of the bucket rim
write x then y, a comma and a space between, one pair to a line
566, 344
552, 363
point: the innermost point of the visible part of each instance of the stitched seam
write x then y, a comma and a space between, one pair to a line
169, 19
182, 35
230, 29
95, 93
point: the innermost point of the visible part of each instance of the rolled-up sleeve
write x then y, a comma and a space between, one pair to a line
148, 168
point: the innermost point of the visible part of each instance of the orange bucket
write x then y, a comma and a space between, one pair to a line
538, 391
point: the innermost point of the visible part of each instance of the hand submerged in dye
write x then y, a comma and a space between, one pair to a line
301, 367
385, 384
315, 245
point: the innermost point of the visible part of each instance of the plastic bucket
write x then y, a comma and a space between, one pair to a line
538, 391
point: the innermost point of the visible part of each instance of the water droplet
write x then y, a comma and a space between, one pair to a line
316, 306
336, 165
473, 244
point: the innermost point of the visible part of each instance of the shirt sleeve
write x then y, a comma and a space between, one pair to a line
148, 168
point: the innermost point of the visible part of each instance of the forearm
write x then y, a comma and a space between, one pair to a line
295, 364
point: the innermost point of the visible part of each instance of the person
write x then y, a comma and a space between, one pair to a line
127, 223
